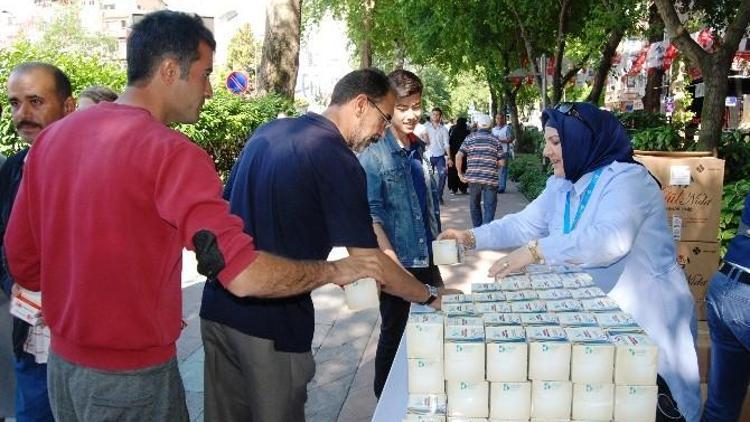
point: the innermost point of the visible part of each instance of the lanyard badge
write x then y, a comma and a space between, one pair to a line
567, 226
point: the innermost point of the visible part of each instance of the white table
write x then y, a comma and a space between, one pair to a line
395, 396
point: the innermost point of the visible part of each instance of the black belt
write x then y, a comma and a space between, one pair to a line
735, 273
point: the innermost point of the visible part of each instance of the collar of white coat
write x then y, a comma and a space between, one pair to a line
580, 186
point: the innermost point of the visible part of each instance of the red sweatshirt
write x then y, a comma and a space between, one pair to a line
109, 198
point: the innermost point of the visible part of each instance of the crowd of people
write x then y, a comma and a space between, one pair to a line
96, 212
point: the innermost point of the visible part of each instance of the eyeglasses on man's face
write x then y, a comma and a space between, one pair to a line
386, 117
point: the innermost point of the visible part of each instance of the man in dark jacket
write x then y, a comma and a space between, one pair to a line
39, 94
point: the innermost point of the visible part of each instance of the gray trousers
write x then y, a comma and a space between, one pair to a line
247, 380
83, 394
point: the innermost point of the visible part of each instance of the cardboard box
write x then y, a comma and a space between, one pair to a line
700, 310
699, 260
692, 188
704, 350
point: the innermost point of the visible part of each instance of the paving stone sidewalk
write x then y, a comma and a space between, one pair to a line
344, 342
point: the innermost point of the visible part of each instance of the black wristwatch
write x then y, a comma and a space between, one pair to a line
434, 293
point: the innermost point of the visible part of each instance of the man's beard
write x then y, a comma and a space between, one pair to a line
358, 142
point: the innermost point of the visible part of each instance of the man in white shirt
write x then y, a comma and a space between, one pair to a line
438, 148
503, 132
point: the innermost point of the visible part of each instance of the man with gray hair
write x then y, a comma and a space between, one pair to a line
483, 154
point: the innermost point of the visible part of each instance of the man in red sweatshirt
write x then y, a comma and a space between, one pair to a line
109, 197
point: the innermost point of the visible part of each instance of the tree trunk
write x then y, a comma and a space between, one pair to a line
400, 53
493, 98
365, 59
280, 61
712, 114
605, 64
510, 98
558, 84
529, 47
652, 97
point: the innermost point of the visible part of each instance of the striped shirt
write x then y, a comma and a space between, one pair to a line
482, 151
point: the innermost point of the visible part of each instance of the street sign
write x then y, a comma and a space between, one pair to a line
237, 82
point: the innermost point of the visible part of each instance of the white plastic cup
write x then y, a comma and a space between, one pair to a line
426, 376
362, 294
510, 400
468, 399
446, 252
552, 399
635, 402
593, 402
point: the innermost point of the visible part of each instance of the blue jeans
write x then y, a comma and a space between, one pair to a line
482, 203
502, 176
438, 166
728, 311
32, 400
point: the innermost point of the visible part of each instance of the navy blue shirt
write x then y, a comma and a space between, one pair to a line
300, 191
738, 251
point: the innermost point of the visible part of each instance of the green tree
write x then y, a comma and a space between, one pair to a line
608, 22
242, 49
730, 19
66, 34
436, 90
227, 120
466, 90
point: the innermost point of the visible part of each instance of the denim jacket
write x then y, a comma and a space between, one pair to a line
393, 199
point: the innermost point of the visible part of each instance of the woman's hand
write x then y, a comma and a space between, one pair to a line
462, 236
514, 261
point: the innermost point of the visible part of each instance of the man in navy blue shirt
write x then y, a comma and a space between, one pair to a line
300, 191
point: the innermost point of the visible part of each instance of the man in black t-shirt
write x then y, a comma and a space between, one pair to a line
300, 191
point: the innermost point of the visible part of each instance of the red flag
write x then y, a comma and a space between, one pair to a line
669, 56
706, 40
638, 62
694, 72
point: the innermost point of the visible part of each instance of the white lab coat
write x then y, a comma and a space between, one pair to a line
623, 240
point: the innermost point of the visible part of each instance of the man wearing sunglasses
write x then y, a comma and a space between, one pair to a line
300, 191
401, 192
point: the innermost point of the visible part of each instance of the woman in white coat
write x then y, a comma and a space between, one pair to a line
604, 212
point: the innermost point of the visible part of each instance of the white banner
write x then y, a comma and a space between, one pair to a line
655, 56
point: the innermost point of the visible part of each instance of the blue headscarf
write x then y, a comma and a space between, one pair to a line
586, 148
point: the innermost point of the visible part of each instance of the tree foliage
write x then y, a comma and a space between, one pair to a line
227, 120
65, 34
241, 53
82, 68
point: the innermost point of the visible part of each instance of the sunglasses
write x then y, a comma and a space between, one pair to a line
569, 109
386, 117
